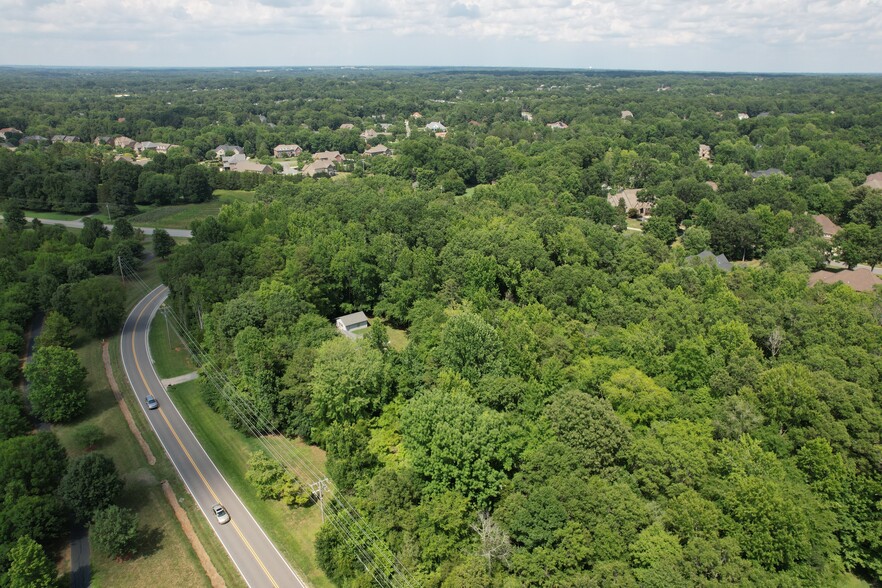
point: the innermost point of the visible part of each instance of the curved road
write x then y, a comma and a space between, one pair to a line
257, 559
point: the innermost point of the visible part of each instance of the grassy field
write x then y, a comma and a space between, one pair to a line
165, 557
170, 356
292, 530
52, 215
179, 216
397, 338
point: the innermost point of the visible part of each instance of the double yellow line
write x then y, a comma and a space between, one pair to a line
184, 449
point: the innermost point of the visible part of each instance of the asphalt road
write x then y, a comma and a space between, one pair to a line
257, 559
78, 224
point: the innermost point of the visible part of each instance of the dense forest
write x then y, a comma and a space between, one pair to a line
577, 404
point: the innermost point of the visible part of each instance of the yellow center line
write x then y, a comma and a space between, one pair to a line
187, 453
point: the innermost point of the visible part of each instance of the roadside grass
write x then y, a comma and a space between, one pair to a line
292, 530
170, 356
179, 216
53, 215
165, 557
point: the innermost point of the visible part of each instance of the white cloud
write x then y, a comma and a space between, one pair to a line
843, 26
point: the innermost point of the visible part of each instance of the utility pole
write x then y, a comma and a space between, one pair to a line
318, 491
122, 274
167, 332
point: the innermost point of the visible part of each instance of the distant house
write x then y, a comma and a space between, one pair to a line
627, 114
252, 167
347, 126
743, 116
874, 181
321, 167
435, 126
713, 185
65, 139
32, 139
827, 226
860, 279
763, 173
328, 155
707, 256
287, 151
350, 322
378, 150
10, 130
704, 152
228, 161
441, 134
221, 150
142, 146
369, 134
124, 142
527, 116
102, 140
164, 147
558, 125
629, 197
416, 115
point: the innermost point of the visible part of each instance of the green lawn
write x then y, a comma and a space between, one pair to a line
52, 215
397, 338
292, 530
170, 356
179, 216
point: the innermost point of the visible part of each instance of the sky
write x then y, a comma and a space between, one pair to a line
707, 35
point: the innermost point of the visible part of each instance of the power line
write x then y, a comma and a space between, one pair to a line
370, 550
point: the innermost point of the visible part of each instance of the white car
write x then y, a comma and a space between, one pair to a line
222, 515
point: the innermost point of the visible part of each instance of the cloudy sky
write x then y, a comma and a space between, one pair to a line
718, 35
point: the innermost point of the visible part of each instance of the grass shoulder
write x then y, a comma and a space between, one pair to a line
292, 530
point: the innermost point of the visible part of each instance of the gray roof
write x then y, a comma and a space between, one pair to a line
708, 256
353, 319
772, 171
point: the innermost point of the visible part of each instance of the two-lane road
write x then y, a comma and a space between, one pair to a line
257, 559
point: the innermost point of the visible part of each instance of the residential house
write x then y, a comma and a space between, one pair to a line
629, 197
320, 167
713, 185
558, 125
416, 115
221, 150
743, 116
704, 152
874, 181
348, 323
347, 126
369, 134
10, 130
123, 142
102, 140
65, 139
763, 173
329, 155
378, 150
164, 147
287, 150
627, 114
441, 134
827, 226
707, 256
435, 126
860, 279
228, 161
32, 139
527, 116
251, 166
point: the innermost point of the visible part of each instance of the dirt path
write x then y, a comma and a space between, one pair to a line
123, 406
216, 580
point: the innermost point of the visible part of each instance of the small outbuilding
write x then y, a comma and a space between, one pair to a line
350, 322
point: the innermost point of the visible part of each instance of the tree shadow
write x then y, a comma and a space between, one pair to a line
151, 541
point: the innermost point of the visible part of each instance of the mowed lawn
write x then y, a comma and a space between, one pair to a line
292, 530
179, 216
170, 356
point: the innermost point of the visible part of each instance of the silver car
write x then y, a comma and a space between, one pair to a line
221, 513
151, 402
